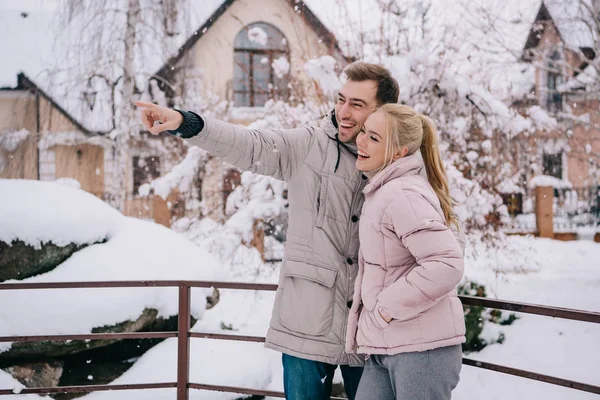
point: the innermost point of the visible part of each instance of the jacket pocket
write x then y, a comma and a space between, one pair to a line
321, 202
307, 298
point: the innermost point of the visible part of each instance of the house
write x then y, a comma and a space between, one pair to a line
560, 45
247, 52
237, 51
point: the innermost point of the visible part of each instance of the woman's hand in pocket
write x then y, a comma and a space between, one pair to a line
386, 318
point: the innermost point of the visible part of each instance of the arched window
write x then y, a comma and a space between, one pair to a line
261, 70
553, 80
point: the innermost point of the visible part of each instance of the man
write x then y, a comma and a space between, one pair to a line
316, 282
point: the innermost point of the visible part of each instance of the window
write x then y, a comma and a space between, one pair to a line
145, 169
553, 81
261, 67
514, 203
552, 165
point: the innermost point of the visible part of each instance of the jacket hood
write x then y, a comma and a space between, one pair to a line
405, 166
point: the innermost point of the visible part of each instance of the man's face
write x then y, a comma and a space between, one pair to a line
356, 101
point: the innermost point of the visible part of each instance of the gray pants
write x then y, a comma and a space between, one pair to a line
427, 375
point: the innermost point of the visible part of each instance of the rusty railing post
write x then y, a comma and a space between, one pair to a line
183, 342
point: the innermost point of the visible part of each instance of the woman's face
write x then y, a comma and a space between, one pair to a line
371, 142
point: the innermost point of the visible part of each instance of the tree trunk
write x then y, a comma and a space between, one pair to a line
127, 126
212, 190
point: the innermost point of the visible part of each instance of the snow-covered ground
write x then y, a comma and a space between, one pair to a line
564, 274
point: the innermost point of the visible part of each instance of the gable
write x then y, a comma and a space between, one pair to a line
292, 17
565, 19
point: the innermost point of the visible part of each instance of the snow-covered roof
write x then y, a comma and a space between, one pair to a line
27, 45
570, 18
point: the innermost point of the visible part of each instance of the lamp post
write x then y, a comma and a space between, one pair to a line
90, 94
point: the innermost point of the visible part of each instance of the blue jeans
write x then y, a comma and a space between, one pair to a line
311, 380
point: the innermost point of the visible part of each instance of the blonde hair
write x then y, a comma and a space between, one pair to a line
407, 128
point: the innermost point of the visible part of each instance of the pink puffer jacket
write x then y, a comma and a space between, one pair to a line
409, 266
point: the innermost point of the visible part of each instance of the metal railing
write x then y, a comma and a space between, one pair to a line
183, 335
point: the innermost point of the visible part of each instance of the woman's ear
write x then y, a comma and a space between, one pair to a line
402, 151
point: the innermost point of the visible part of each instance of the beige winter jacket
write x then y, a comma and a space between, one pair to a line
321, 253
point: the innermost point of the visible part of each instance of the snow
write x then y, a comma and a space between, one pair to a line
30, 45
48, 50
526, 269
258, 35
323, 71
281, 66
587, 77
76, 216
180, 176
11, 140
541, 118
135, 250
570, 17
69, 182
539, 271
545, 180
509, 186
70, 138
448, 50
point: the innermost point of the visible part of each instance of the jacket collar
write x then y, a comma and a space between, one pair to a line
406, 166
329, 125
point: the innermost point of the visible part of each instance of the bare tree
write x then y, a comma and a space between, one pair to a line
108, 50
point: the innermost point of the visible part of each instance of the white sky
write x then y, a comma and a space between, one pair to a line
29, 5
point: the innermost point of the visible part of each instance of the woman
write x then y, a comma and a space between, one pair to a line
406, 316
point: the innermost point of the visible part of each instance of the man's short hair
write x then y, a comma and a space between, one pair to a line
388, 90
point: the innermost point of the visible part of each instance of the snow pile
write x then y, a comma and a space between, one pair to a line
551, 181
74, 183
38, 212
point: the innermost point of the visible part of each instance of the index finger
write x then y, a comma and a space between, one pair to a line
144, 104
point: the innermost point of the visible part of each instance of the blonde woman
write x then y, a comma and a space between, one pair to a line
405, 316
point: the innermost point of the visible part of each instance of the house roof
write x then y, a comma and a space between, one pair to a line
570, 22
26, 46
302, 9
24, 83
